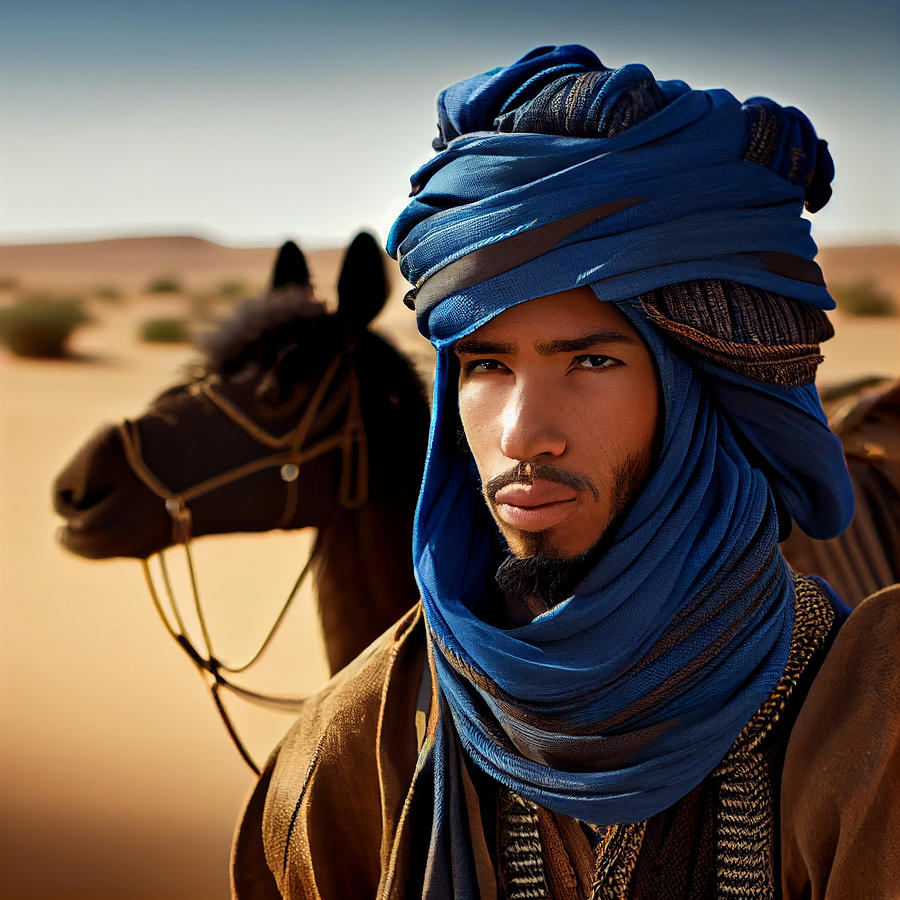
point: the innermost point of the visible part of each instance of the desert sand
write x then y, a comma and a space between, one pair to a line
118, 778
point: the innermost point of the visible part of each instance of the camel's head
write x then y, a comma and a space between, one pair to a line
268, 433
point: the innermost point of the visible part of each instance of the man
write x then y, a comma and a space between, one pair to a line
597, 696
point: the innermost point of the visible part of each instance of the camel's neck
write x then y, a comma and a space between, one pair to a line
364, 557
364, 575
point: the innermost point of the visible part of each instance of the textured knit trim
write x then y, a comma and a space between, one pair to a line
761, 335
813, 620
617, 855
763, 140
745, 843
522, 873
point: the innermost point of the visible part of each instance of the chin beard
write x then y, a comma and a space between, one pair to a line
538, 576
539, 582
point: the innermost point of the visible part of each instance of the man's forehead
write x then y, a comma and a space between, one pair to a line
569, 320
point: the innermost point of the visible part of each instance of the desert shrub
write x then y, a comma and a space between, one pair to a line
232, 288
40, 326
831, 394
109, 293
863, 298
165, 331
164, 284
208, 304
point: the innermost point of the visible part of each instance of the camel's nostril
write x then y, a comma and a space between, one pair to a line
73, 491
65, 499
90, 476
68, 498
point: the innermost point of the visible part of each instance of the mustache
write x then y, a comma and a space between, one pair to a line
527, 473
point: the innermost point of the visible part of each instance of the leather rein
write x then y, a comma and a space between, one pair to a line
288, 452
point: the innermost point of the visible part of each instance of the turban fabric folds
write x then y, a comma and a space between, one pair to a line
682, 207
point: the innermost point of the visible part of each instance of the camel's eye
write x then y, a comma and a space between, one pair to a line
277, 397
269, 391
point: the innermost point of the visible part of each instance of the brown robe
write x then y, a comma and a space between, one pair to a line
332, 815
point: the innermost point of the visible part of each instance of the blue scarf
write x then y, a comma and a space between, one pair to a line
614, 704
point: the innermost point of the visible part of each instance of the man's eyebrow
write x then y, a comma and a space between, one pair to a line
471, 346
585, 342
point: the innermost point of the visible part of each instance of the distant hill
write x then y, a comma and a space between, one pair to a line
127, 255
131, 262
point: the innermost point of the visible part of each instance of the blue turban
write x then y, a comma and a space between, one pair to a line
555, 173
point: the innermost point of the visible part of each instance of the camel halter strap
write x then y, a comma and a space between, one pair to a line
289, 455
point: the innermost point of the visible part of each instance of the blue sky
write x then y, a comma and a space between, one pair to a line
250, 123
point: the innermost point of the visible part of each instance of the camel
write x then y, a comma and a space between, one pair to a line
296, 418
865, 415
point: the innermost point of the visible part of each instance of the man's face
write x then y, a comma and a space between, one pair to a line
558, 399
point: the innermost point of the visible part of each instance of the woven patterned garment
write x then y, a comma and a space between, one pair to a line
746, 822
746, 799
755, 333
522, 875
617, 855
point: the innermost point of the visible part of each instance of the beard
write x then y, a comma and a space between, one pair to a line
538, 576
539, 582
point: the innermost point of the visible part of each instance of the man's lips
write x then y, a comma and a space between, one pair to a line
538, 493
536, 506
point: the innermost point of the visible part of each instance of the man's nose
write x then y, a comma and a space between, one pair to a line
531, 426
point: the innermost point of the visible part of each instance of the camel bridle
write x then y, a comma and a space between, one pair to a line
288, 453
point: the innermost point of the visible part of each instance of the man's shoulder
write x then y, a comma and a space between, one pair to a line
358, 684
354, 696
860, 669
841, 777
852, 710
331, 789
873, 627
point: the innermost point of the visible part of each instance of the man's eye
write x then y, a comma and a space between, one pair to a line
475, 366
594, 361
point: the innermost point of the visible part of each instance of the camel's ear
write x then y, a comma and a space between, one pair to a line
290, 267
362, 287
